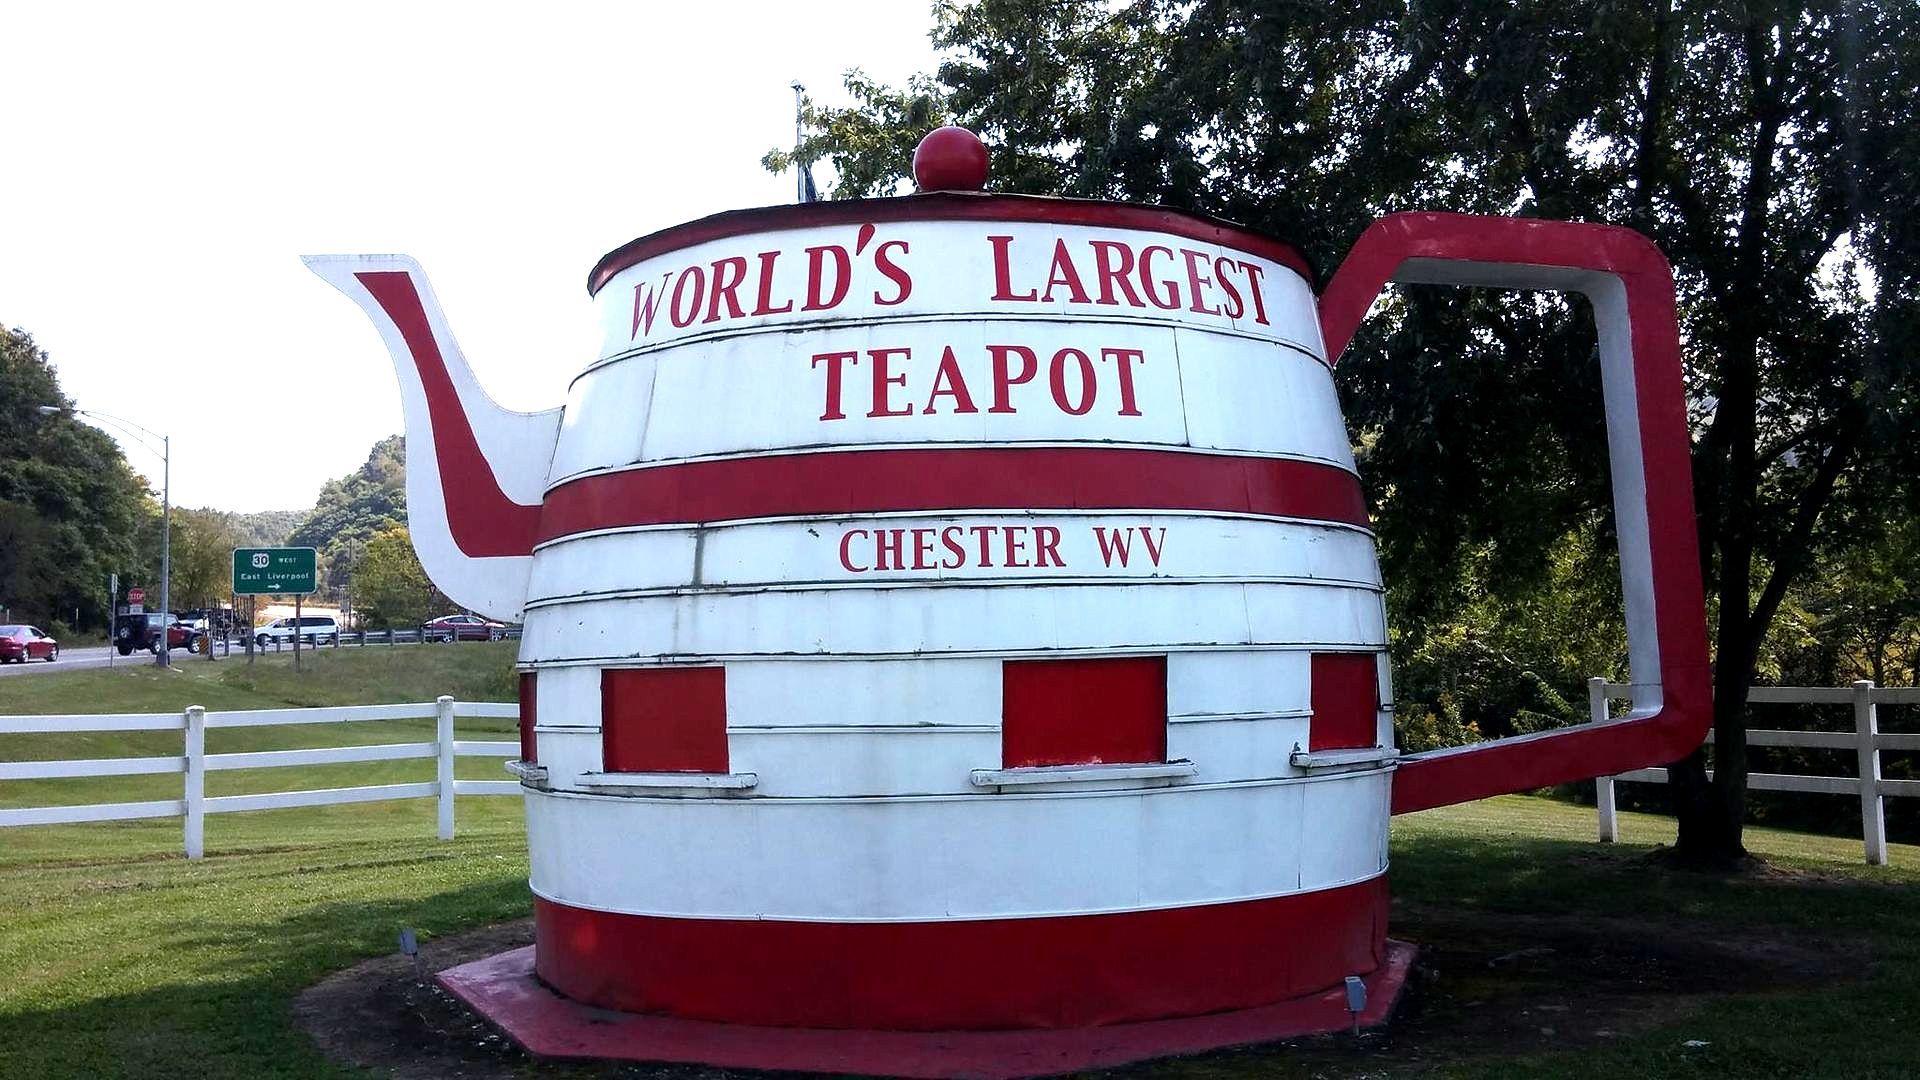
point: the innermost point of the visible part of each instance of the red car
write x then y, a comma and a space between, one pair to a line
24, 643
462, 628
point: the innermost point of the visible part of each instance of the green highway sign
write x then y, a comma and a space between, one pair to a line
288, 570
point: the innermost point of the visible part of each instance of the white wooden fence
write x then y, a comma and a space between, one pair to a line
194, 762
1865, 740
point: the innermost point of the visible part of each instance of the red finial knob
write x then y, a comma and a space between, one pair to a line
950, 159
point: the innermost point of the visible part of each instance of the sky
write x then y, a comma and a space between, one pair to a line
169, 164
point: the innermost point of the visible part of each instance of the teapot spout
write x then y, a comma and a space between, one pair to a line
475, 471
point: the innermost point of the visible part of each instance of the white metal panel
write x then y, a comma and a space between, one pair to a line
789, 403
1237, 683
605, 418
1345, 827
848, 622
1207, 392
811, 762
950, 857
1248, 845
1238, 749
1273, 400
570, 752
566, 697
813, 693
1358, 623
928, 548
951, 265
650, 558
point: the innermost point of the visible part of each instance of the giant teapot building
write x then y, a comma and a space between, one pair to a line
953, 637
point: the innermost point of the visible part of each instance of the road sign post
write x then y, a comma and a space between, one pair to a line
278, 571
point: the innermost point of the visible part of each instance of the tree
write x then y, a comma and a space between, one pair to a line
353, 509
389, 585
203, 543
1771, 149
71, 510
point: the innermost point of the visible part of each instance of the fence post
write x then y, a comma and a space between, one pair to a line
196, 782
443, 738
1873, 816
1602, 785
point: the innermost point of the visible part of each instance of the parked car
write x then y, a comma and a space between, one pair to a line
143, 631
24, 643
462, 628
318, 629
220, 621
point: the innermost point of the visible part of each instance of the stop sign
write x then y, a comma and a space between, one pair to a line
135, 596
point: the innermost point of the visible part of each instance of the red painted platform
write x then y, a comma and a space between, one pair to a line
503, 989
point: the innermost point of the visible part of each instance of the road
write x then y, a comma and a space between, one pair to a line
97, 656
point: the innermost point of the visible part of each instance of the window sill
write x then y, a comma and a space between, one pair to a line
1136, 774
647, 783
1364, 757
529, 773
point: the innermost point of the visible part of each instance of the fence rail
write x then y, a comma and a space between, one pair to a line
194, 763
1865, 740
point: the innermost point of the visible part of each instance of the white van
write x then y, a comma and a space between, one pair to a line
318, 629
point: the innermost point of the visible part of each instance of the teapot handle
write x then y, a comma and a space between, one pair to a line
1630, 286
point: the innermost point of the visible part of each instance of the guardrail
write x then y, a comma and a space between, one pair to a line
194, 762
1865, 740
374, 637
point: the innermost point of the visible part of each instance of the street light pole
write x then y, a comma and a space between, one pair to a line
166, 512
166, 547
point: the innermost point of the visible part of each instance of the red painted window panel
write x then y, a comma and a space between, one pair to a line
671, 719
1072, 712
529, 716
1346, 701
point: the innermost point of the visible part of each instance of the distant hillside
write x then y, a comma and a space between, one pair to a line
352, 509
267, 528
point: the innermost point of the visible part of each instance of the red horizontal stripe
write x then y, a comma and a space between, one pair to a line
503, 988
1061, 971
943, 207
983, 478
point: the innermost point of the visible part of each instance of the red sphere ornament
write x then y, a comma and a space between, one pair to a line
950, 159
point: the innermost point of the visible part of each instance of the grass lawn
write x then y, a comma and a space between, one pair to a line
118, 958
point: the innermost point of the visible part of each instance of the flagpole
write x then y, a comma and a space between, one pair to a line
799, 166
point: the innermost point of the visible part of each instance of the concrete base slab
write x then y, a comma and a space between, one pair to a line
503, 989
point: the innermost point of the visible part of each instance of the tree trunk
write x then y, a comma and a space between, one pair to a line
1712, 813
